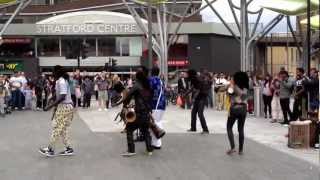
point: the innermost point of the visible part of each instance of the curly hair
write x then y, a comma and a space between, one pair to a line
59, 71
241, 79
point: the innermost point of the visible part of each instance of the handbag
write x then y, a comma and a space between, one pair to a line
179, 101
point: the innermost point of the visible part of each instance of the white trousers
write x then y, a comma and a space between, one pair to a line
276, 108
157, 115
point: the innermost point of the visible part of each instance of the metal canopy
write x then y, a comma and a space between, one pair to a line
290, 7
4, 4
314, 22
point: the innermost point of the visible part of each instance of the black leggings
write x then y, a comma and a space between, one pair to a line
267, 104
285, 107
86, 100
237, 113
143, 125
198, 109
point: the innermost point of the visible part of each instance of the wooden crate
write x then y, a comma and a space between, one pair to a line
299, 134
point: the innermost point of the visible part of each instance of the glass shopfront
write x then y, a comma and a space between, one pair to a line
96, 46
48, 47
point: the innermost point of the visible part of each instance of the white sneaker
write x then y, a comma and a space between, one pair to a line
128, 154
99, 109
105, 109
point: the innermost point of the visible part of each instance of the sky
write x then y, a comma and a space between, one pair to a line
222, 6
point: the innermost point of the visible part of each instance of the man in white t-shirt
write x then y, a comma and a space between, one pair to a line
220, 89
16, 87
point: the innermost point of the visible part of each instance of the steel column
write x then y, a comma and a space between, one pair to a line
4, 28
308, 65
243, 32
150, 54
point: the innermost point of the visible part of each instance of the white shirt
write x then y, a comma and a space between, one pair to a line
266, 90
63, 88
221, 81
15, 82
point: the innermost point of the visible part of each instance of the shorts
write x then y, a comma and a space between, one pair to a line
102, 95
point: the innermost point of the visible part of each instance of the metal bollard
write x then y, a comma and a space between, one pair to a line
257, 101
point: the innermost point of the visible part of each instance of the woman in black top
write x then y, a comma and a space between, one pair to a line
142, 94
238, 91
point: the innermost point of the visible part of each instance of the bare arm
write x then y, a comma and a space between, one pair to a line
61, 98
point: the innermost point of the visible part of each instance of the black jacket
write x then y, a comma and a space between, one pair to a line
142, 98
201, 86
312, 85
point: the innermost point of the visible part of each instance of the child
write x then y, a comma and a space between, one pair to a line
28, 93
275, 104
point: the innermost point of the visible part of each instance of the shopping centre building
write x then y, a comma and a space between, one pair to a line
46, 32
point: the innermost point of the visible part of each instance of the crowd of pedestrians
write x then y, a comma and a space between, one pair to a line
285, 98
18, 92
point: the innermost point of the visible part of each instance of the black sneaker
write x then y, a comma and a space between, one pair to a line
191, 130
68, 152
46, 152
205, 132
128, 154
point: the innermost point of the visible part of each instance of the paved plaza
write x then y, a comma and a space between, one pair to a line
98, 144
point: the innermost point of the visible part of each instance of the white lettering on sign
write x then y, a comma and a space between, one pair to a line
85, 28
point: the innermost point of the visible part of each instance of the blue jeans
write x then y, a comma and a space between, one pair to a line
314, 104
17, 99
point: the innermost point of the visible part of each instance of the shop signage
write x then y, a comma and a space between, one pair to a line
85, 28
17, 41
11, 66
178, 63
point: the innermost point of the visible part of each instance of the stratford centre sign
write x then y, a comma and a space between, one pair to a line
64, 29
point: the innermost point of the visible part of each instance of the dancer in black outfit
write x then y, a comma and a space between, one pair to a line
200, 87
238, 90
142, 94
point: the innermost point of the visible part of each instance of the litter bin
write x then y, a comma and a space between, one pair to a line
299, 134
257, 101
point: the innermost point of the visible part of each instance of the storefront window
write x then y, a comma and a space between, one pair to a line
118, 47
91, 49
48, 47
17, 47
135, 46
282, 57
70, 47
125, 46
107, 46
